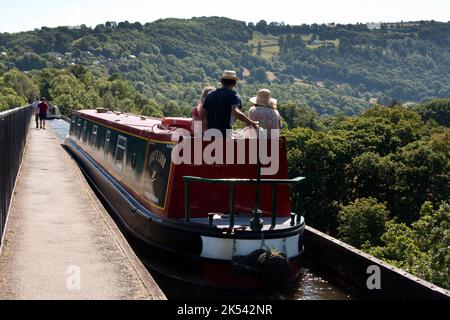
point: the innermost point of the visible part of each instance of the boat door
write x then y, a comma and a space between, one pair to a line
157, 171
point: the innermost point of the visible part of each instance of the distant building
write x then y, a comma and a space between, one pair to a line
111, 25
374, 26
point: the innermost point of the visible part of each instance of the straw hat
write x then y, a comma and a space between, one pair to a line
264, 99
229, 75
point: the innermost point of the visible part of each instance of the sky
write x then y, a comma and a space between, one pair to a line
23, 15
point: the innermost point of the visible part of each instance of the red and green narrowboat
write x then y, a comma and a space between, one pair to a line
201, 216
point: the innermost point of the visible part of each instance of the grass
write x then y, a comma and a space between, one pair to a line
270, 48
269, 45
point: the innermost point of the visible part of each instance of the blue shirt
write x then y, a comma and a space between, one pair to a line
219, 106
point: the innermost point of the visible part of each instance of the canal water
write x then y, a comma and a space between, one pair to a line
60, 128
311, 286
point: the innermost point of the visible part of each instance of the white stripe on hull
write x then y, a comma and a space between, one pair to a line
220, 248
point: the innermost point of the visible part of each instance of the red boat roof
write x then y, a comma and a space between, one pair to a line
166, 130
126, 119
146, 127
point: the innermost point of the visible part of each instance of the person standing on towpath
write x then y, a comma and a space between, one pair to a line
35, 106
43, 109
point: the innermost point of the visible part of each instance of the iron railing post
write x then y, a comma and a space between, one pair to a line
232, 194
232, 209
274, 205
187, 204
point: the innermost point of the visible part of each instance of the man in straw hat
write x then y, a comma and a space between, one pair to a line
223, 106
265, 111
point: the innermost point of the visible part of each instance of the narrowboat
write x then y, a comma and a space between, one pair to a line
215, 224
53, 111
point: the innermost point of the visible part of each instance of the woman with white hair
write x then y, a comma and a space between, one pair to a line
265, 111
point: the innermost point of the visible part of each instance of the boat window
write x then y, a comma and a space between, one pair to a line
107, 140
134, 161
73, 124
84, 130
94, 136
120, 152
79, 128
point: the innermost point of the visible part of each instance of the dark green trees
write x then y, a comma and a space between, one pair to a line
379, 181
362, 222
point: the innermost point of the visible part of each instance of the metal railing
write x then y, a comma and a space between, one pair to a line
232, 191
13, 133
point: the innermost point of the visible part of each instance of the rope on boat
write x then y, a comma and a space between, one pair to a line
271, 267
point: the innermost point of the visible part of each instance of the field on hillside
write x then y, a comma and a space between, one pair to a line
269, 45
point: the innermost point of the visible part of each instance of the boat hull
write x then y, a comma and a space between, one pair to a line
187, 252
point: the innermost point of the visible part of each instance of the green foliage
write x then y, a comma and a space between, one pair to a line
9, 99
421, 174
348, 70
296, 116
78, 88
422, 249
362, 170
386, 153
437, 110
362, 222
151, 110
402, 250
16, 89
433, 234
21, 84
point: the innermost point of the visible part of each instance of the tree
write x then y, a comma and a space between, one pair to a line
67, 92
260, 74
437, 110
421, 175
259, 49
298, 116
62, 42
262, 27
402, 250
422, 249
372, 175
21, 84
151, 109
9, 99
433, 237
31, 61
172, 109
362, 222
